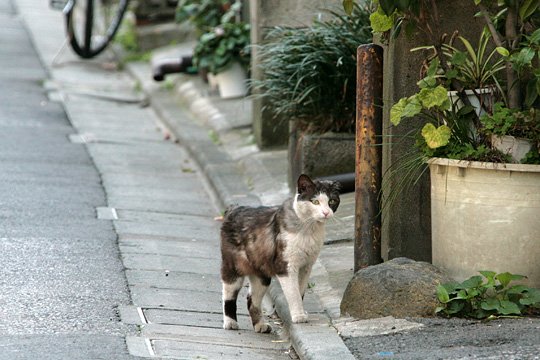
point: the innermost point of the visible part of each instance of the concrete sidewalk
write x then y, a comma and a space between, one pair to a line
217, 133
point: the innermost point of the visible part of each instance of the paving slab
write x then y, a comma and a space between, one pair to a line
187, 300
199, 231
247, 339
185, 263
172, 206
186, 194
172, 182
171, 247
143, 316
175, 280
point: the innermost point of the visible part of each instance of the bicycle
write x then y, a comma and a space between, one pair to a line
91, 24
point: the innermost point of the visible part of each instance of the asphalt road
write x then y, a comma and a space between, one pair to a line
61, 279
509, 339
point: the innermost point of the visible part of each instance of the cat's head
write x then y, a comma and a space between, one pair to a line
316, 200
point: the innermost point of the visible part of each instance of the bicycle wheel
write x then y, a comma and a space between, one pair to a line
92, 24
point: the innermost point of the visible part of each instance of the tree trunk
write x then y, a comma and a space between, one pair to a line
513, 87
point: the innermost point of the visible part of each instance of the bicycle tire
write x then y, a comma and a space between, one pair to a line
85, 36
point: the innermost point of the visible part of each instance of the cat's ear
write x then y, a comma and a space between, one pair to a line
305, 185
336, 186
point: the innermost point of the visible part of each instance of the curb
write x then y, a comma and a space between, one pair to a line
315, 340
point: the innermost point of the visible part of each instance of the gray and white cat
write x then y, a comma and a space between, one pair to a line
282, 241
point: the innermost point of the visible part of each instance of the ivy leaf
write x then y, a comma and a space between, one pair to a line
518, 289
508, 308
454, 307
436, 137
531, 298
490, 304
506, 277
427, 82
490, 276
405, 107
458, 58
473, 281
442, 294
380, 22
434, 97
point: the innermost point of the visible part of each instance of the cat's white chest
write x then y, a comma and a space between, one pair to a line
303, 247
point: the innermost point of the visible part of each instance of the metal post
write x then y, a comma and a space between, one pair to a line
367, 247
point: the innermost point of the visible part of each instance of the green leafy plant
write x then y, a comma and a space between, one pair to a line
203, 14
489, 295
443, 122
217, 49
476, 67
506, 59
309, 74
505, 121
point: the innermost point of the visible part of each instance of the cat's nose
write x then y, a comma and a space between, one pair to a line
326, 213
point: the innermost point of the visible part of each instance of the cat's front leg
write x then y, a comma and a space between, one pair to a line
303, 279
291, 289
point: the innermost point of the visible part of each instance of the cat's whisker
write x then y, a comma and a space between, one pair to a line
336, 219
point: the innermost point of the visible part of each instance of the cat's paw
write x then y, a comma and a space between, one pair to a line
299, 318
230, 324
263, 328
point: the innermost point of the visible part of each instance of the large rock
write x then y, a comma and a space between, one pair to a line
400, 287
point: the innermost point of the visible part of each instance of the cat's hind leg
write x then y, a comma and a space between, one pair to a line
257, 289
230, 294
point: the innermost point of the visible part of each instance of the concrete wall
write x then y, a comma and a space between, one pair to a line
407, 222
265, 14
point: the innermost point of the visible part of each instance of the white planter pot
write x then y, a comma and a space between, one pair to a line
485, 216
232, 81
517, 148
477, 98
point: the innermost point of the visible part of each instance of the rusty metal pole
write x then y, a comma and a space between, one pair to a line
367, 246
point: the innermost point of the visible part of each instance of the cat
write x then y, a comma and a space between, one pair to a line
282, 241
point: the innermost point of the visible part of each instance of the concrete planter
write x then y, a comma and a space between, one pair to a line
319, 154
485, 216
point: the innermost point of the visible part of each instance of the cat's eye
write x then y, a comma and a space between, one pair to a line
315, 202
331, 202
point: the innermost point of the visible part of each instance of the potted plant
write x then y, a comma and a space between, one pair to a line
309, 77
221, 54
484, 206
203, 14
224, 52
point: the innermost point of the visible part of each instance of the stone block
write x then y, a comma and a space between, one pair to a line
320, 155
400, 288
